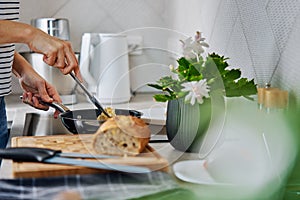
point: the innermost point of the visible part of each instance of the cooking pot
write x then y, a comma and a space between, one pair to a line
84, 121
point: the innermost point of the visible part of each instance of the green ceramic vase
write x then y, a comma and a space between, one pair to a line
187, 124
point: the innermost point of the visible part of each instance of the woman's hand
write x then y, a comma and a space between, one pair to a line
34, 101
35, 87
57, 53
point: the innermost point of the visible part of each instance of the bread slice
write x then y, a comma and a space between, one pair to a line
121, 135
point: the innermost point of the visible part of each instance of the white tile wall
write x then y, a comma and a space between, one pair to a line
97, 15
110, 16
256, 35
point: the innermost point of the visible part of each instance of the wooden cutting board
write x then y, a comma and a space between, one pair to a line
81, 143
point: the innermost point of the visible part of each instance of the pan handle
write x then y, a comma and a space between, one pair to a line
58, 106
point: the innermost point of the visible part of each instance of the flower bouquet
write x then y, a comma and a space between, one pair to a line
194, 81
196, 76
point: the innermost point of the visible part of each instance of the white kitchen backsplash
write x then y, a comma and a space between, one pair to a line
257, 35
132, 17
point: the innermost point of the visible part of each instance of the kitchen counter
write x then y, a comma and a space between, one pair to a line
153, 111
156, 111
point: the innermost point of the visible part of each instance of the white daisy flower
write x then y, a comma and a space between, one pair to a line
197, 90
188, 48
193, 48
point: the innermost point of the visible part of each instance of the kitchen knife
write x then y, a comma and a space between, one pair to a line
85, 155
44, 155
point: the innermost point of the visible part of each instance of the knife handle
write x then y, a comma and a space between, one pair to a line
27, 154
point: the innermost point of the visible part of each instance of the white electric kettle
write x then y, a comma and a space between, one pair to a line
104, 66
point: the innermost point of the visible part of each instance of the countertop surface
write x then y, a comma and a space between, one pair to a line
244, 138
153, 112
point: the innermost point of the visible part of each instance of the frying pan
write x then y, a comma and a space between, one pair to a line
84, 121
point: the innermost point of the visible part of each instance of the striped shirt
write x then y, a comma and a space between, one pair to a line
9, 10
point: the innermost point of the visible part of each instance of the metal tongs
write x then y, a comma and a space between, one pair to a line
93, 99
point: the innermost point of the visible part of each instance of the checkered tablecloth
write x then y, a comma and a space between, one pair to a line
92, 186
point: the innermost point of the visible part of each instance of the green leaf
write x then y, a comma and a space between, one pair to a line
219, 61
214, 66
242, 87
232, 74
180, 94
193, 71
162, 97
165, 81
156, 86
183, 62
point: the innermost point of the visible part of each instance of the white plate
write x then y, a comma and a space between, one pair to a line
193, 171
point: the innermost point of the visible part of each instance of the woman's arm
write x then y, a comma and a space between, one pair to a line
57, 53
15, 32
